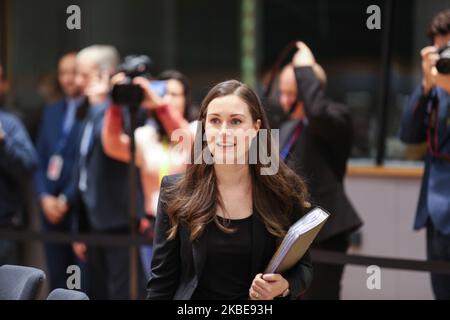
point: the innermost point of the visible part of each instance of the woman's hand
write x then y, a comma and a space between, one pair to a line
151, 99
268, 286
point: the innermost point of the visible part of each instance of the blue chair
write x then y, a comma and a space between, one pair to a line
20, 283
66, 294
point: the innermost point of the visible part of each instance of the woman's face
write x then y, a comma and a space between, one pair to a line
174, 96
229, 129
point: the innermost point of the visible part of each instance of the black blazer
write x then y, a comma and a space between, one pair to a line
177, 264
321, 153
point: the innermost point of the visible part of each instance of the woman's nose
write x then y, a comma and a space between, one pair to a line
224, 130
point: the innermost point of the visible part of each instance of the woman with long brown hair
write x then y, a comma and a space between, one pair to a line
219, 224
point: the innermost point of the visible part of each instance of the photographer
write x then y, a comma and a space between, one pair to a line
426, 119
154, 154
103, 182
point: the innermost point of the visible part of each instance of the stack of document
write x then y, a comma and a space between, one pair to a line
297, 240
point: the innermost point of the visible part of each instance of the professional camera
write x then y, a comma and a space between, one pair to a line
443, 64
128, 93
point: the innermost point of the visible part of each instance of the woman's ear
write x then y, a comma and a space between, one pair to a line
257, 125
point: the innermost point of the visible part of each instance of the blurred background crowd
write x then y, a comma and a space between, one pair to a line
67, 168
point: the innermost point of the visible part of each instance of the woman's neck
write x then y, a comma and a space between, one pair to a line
234, 186
232, 175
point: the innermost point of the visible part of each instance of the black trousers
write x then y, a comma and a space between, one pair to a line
60, 256
326, 284
108, 271
9, 252
438, 249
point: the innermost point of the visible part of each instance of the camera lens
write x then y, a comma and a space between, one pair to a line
443, 64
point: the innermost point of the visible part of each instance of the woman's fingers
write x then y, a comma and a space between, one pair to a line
252, 294
261, 289
272, 277
257, 293
262, 284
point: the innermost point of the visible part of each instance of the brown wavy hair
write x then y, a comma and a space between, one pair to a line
194, 199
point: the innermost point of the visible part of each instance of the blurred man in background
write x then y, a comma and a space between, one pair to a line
18, 159
103, 183
56, 146
316, 143
426, 117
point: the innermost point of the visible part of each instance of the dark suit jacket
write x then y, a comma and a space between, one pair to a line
177, 264
321, 152
18, 160
434, 200
49, 137
105, 203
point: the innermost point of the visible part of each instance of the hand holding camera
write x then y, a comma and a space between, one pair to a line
151, 100
436, 68
133, 89
429, 58
98, 88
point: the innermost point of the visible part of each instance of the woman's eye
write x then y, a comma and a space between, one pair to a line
214, 121
236, 122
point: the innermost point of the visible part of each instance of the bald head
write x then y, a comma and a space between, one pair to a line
93, 62
287, 87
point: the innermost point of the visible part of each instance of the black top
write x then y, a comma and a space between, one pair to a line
227, 271
178, 264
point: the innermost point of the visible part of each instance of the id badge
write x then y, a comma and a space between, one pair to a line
55, 167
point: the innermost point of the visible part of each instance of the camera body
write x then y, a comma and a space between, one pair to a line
443, 64
128, 93
131, 94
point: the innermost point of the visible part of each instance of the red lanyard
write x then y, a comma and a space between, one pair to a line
432, 132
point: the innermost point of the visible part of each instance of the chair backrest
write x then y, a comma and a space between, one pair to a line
20, 283
66, 294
